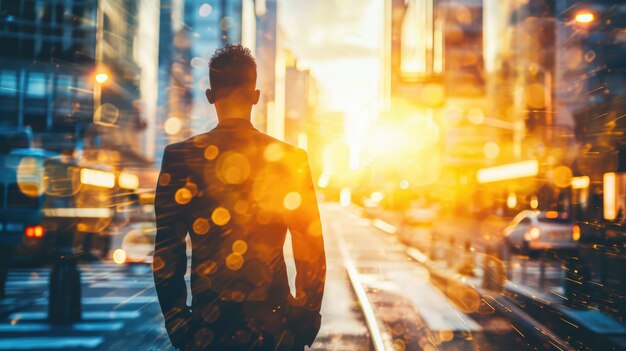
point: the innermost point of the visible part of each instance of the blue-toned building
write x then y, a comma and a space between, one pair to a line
52, 52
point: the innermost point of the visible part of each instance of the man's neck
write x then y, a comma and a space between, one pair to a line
221, 119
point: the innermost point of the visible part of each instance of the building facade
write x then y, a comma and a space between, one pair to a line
81, 74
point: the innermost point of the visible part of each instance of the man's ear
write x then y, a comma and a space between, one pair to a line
210, 96
256, 97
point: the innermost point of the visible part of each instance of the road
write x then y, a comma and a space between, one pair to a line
375, 293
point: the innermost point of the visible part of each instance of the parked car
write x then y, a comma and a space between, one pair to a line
535, 231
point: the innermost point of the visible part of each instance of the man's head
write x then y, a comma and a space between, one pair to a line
232, 72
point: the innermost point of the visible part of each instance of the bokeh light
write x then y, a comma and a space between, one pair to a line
205, 10
292, 201
220, 216
173, 125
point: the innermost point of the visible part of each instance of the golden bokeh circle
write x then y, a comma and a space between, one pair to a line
562, 176
292, 201
273, 152
220, 216
164, 179
183, 196
234, 261
211, 152
233, 168
201, 226
240, 247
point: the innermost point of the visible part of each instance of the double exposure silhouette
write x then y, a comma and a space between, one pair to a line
236, 191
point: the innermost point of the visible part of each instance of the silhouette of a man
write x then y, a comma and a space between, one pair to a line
237, 191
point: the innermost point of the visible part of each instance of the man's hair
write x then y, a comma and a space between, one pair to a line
232, 66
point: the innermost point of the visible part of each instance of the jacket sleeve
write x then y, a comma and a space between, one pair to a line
308, 244
170, 258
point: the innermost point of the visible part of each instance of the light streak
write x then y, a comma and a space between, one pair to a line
509, 171
97, 178
128, 180
580, 182
78, 212
610, 210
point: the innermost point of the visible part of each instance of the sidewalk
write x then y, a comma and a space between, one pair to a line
542, 311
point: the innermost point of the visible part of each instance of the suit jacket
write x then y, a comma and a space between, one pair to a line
236, 191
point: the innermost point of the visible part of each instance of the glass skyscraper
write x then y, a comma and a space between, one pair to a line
52, 51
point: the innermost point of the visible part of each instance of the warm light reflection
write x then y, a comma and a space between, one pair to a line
119, 256
581, 182
508, 171
511, 200
610, 206
576, 232
30, 178
172, 125
292, 201
128, 180
101, 78
97, 178
584, 17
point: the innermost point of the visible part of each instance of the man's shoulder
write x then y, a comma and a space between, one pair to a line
272, 142
187, 144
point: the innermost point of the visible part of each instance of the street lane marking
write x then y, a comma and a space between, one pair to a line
98, 326
384, 226
122, 284
37, 343
368, 311
110, 300
89, 315
42, 327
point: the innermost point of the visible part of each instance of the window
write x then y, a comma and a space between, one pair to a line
36, 85
417, 41
8, 82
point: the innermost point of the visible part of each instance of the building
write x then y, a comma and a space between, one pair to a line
556, 77
82, 74
434, 81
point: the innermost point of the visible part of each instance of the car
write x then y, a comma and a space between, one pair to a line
23, 234
537, 231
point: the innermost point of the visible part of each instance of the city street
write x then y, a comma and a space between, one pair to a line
120, 310
400, 307
468, 159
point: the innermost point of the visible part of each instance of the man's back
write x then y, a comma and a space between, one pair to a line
236, 191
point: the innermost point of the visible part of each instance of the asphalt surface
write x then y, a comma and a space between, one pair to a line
120, 311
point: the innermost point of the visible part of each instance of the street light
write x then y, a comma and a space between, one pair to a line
102, 77
584, 17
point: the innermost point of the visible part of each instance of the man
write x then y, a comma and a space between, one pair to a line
236, 191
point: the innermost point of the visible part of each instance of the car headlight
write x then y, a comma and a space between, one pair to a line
532, 234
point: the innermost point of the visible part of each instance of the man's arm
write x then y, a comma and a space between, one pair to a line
170, 258
308, 244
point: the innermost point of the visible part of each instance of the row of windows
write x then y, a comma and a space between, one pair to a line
50, 11
44, 101
46, 48
48, 30
35, 84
